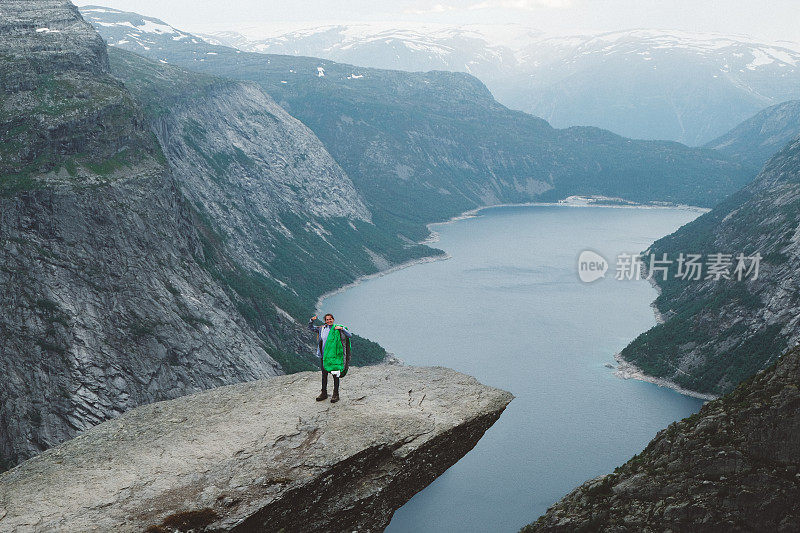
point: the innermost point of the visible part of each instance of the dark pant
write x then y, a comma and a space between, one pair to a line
325, 380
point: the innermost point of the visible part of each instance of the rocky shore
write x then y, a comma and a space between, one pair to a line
626, 370
731, 467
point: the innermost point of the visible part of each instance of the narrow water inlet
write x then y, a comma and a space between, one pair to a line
509, 308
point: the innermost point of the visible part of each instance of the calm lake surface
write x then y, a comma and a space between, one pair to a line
509, 309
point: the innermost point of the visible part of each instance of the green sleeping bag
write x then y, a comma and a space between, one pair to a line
336, 355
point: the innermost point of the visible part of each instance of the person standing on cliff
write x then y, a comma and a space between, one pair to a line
330, 352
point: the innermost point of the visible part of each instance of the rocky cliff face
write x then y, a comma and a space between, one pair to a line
239, 156
263, 178
258, 456
289, 220
106, 300
761, 136
43, 37
60, 105
734, 466
719, 332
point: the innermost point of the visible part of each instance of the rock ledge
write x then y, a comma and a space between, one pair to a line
258, 456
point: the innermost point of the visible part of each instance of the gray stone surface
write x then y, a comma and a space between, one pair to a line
258, 456
241, 158
45, 36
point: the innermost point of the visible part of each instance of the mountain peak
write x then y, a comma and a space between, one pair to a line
46, 36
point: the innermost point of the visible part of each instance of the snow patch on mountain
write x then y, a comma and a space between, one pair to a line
632, 82
145, 31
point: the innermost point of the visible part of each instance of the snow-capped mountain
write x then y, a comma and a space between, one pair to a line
689, 87
142, 30
647, 84
420, 47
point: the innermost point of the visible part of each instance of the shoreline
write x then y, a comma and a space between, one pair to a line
659, 316
433, 237
579, 202
626, 370
380, 273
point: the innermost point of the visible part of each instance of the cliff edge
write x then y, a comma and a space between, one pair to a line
258, 456
107, 300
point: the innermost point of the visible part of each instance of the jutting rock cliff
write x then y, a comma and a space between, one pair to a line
258, 456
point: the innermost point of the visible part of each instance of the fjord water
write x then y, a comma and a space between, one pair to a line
508, 308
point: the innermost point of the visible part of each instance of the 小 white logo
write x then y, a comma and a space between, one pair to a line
591, 266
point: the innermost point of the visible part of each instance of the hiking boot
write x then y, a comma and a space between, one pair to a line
323, 395
335, 397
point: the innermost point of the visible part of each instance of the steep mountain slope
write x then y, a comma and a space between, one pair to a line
278, 203
422, 147
731, 467
105, 300
649, 84
760, 137
719, 332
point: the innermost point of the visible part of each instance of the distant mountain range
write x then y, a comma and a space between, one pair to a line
645, 84
422, 146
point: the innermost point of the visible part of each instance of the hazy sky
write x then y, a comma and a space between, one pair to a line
765, 19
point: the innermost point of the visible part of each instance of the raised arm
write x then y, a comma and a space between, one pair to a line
311, 326
344, 330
